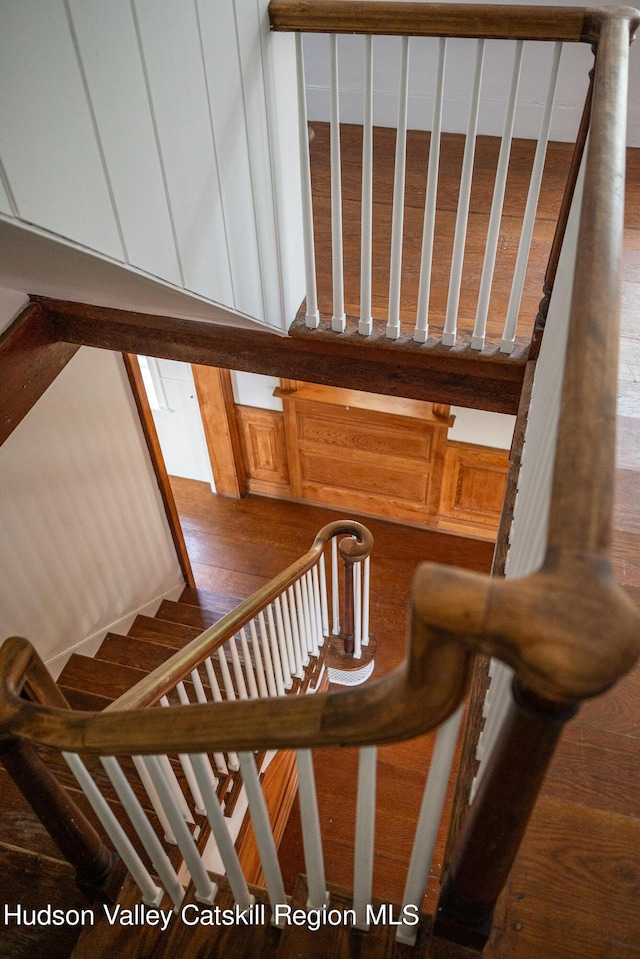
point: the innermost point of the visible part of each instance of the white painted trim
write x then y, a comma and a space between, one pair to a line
90, 645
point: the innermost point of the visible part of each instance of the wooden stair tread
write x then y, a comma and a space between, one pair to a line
34, 882
229, 941
208, 599
81, 699
19, 825
342, 940
99, 676
135, 652
105, 941
187, 615
162, 631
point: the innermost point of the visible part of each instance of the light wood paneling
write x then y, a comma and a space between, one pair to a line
473, 487
215, 394
264, 450
366, 453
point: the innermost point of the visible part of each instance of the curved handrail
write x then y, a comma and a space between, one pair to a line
569, 632
149, 690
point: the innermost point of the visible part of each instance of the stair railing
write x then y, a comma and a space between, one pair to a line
532, 41
280, 632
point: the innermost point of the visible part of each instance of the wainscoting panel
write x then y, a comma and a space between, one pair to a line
473, 487
264, 450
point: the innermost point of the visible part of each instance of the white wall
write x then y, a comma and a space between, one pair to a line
572, 85
84, 536
12, 303
146, 131
482, 428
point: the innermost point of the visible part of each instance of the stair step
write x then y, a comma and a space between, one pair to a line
342, 939
207, 599
80, 699
130, 651
118, 941
189, 615
235, 941
34, 882
162, 631
98, 676
19, 825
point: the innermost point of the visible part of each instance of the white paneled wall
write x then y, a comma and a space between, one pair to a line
84, 536
145, 130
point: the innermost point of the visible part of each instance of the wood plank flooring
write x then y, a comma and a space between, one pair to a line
452, 149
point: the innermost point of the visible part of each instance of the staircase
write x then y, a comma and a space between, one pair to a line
33, 871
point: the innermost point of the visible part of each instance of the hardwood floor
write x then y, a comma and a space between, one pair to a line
452, 149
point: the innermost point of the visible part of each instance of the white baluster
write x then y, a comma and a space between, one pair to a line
338, 320
312, 316
232, 757
283, 603
365, 833
317, 604
316, 628
493, 232
262, 831
421, 332
201, 697
429, 820
222, 836
397, 221
357, 610
335, 595
308, 621
227, 682
462, 217
140, 821
311, 836
275, 652
302, 656
204, 888
248, 666
508, 339
241, 686
365, 323
266, 653
218, 758
150, 790
365, 601
257, 657
286, 645
151, 893
302, 629
185, 762
323, 597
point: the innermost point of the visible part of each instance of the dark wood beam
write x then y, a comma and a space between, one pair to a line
31, 357
488, 380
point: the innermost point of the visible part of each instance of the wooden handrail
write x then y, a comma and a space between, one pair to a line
569, 633
416, 19
149, 690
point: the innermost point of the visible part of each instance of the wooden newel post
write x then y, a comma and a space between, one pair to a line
72, 832
348, 633
490, 838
